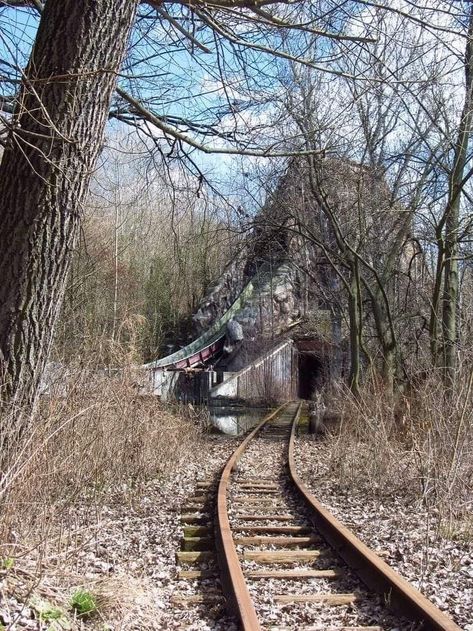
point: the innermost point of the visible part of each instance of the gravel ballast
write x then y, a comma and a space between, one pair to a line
126, 554
265, 460
398, 525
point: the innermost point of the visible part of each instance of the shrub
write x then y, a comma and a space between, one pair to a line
421, 442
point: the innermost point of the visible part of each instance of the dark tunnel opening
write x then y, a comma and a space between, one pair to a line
310, 375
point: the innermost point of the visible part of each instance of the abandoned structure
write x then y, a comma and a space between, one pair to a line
271, 327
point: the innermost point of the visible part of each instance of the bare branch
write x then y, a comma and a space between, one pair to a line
178, 135
182, 30
428, 25
271, 19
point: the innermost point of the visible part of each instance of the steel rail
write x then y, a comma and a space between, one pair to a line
232, 575
398, 593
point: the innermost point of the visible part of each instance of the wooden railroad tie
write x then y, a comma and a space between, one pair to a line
283, 530
190, 508
195, 557
276, 541
255, 491
190, 575
270, 501
197, 599
325, 599
320, 628
258, 487
195, 518
199, 498
293, 574
197, 543
266, 557
206, 486
197, 531
245, 517
252, 480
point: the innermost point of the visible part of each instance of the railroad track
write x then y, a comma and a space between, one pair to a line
286, 563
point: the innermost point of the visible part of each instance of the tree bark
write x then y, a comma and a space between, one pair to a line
355, 330
52, 148
452, 221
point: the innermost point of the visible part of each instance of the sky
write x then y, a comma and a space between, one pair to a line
239, 91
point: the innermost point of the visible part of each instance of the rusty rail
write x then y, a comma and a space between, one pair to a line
232, 575
398, 593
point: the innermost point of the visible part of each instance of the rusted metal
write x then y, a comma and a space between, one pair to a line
375, 573
398, 593
232, 574
315, 345
198, 357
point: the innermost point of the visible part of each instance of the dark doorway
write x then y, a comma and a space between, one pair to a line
310, 374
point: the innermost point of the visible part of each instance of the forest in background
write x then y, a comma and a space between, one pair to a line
149, 248
384, 88
394, 227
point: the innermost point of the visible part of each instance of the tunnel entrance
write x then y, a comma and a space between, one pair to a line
310, 374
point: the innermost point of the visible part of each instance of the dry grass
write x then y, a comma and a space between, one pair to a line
97, 442
103, 436
420, 444
122, 601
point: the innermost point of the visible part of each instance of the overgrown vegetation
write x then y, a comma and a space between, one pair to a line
84, 603
95, 441
146, 256
417, 446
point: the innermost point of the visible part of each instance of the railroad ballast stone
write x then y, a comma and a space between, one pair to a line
441, 568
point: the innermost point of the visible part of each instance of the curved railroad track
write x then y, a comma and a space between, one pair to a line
286, 562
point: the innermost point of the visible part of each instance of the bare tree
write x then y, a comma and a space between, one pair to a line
55, 132
448, 229
389, 114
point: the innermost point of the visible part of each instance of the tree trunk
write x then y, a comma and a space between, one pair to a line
434, 307
355, 324
52, 148
389, 369
452, 222
116, 228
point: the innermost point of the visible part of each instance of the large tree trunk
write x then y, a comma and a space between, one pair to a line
52, 148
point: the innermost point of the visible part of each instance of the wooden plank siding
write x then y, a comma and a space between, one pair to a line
273, 377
